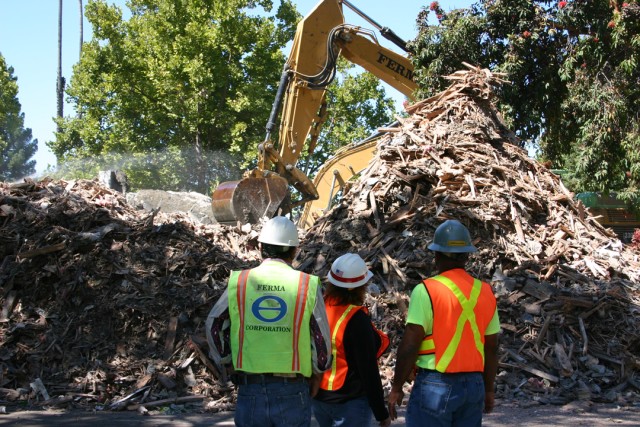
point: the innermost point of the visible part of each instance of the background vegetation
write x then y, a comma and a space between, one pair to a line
16, 145
573, 66
178, 94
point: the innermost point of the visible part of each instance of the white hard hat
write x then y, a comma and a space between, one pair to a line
452, 237
349, 271
279, 231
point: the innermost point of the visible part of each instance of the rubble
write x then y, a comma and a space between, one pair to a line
105, 304
568, 289
195, 205
100, 300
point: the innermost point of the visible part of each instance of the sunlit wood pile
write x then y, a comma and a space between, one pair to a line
569, 290
104, 306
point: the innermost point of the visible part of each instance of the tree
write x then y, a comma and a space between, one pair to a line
574, 72
178, 75
179, 95
16, 145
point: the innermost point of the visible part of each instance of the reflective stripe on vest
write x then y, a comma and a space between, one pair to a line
338, 316
270, 313
301, 302
455, 350
241, 297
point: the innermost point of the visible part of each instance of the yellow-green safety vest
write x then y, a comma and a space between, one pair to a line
270, 308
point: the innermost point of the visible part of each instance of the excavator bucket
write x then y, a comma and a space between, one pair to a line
250, 199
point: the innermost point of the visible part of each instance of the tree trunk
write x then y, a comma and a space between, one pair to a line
81, 29
201, 174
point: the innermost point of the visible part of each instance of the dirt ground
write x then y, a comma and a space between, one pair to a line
505, 414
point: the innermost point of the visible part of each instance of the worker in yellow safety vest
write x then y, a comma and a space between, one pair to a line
271, 326
450, 338
351, 390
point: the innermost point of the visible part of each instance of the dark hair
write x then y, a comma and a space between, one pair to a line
452, 260
344, 296
277, 251
457, 256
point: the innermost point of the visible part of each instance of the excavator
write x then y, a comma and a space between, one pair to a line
320, 38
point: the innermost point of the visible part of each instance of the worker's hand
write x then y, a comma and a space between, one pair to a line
314, 384
489, 401
385, 423
395, 398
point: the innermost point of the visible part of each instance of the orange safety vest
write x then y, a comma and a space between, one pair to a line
339, 316
462, 310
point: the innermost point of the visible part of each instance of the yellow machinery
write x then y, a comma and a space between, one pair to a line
612, 213
609, 211
321, 37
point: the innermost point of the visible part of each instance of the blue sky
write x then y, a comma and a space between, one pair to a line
29, 44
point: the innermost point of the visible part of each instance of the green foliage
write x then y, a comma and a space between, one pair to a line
574, 73
16, 145
162, 94
176, 75
441, 49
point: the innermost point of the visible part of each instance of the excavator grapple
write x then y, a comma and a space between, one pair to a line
250, 199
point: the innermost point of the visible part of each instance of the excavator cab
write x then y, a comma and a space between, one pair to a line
321, 37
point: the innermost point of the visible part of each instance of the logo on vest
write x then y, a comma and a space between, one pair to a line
269, 308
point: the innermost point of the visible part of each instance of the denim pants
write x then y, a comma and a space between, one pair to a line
452, 400
354, 413
273, 405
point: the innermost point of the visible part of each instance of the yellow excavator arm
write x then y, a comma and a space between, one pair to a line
321, 37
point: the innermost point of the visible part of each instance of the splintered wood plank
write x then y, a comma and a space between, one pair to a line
563, 360
172, 330
537, 289
8, 306
42, 251
534, 371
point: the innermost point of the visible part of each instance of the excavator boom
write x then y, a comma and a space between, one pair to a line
321, 37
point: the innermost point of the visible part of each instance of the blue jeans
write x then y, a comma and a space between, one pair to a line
452, 400
354, 413
273, 405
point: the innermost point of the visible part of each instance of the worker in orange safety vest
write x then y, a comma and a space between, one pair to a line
450, 339
351, 390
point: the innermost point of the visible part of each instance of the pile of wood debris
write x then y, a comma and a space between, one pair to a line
569, 291
104, 305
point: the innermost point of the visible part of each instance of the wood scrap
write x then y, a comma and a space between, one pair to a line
456, 153
90, 285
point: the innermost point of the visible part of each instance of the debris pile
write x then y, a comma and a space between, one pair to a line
568, 290
104, 305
